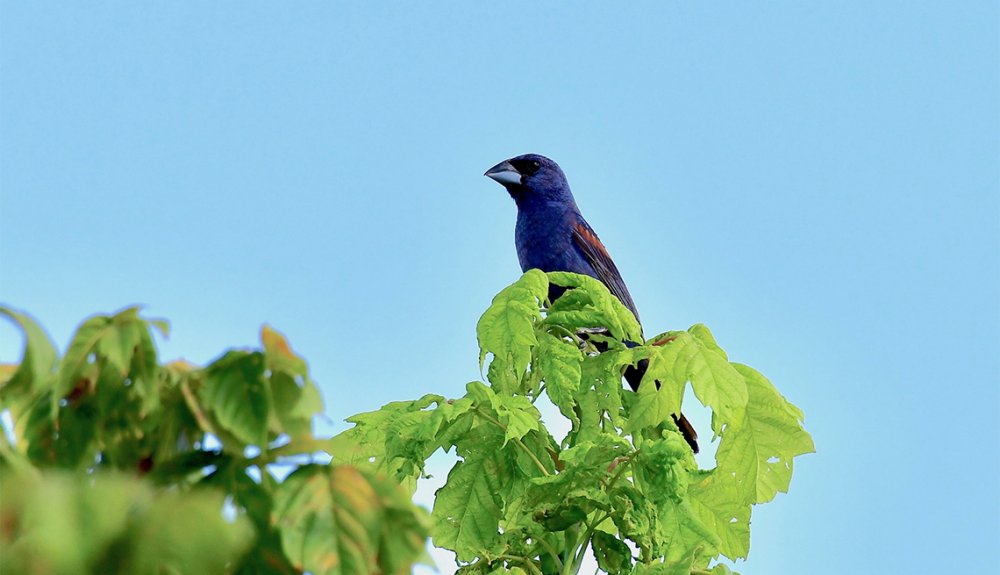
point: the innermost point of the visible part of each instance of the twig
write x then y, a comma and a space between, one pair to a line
522, 561
519, 443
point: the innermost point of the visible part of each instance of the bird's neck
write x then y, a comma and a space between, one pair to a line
537, 204
544, 215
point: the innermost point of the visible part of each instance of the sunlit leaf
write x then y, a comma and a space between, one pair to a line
559, 365
507, 328
760, 453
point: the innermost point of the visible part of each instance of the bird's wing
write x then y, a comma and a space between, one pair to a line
596, 254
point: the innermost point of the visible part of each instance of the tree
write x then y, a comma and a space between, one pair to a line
163, 459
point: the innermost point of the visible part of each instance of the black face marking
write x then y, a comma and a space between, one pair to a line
526, 167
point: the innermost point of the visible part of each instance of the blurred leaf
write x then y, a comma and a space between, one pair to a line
37, 361
78, 355
117, 346
68, 524
236, 391
279, 354
186, 533
144, 369
161, 325
335, 520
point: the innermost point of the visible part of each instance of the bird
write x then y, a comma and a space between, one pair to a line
552, 235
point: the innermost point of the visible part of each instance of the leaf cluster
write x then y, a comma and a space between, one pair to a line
622, 483
112, 462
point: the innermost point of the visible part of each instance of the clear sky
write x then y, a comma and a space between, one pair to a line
817, 182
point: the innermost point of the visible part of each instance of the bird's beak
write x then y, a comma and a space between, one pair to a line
504, 174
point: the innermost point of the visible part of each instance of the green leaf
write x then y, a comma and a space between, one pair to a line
117, 345
717, 503
681, 566
340, 519
236, 391
403, 530
144, 370
62, 524
681, 532
562, 517
518, 415
715, 382
558, 362
294, 406
761, 451
186, 533
110, 524
652, 406
278, 353
559, 501
700, 332
161, 325
34, 373
77, 356
612, 555
507, 329
400, 436
604, 373
663, 462
467, 510
621, 322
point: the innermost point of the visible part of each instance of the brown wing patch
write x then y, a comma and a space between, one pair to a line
593, 242
595, 253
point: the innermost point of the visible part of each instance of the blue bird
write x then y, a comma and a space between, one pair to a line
552, 235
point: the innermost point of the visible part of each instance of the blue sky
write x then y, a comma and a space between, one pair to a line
817, 182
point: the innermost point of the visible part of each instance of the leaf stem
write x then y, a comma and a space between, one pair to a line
568, 333
552, 551
538, 393
522, 561
517, 441
623, 465
195, 407
578, 560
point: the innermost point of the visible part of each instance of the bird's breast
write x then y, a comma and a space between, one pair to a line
545, 241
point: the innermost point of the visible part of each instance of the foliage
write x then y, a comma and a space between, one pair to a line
623, 483
118, 464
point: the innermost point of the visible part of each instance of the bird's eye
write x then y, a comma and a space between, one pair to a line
526, 167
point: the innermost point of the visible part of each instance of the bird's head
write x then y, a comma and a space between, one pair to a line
531, 177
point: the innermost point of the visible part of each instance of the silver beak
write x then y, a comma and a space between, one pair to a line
504, 174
